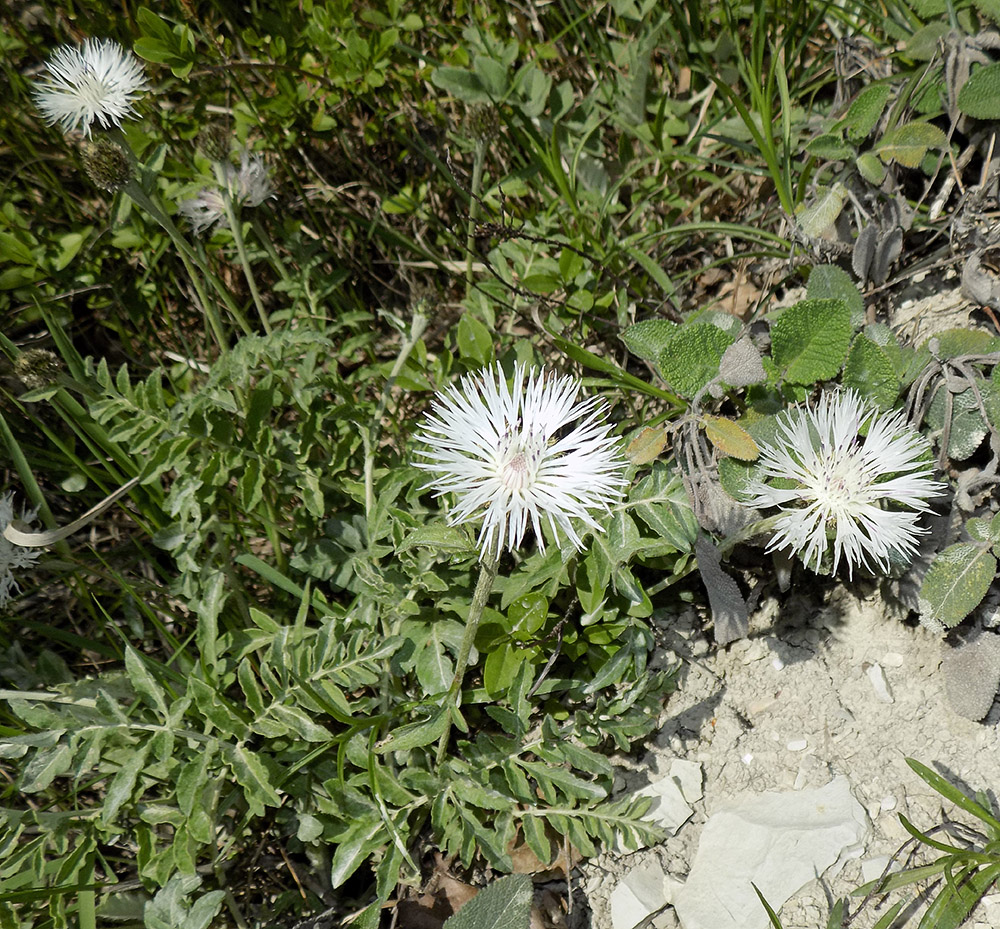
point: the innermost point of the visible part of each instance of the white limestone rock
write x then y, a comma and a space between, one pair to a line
778, 841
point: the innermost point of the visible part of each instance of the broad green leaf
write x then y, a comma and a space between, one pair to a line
870, 371
809, 341
866, 110
692, 355
908, 143
967, 428
730, 438
870, 168
475, 342
501, 667
830, 146
956, 583
649, 337
925, 43
504, 904
828, 282
979, 96
460, 83
953, 343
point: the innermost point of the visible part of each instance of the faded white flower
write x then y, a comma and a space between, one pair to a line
248, 185
862, 495
502, 450
12, 557
97, 80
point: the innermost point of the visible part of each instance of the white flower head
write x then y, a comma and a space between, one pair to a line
97, 80
249, 185
502, 449
12, 557
863, 494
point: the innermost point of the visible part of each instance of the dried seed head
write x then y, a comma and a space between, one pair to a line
37, 367
482, 124
107, 164
214, 142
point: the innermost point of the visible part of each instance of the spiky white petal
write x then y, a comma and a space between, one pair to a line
250, 185
866, 492
12, 557
98, 80
497, 447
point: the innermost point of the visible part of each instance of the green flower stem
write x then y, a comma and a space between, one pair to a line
236, 228
141, 199
487, 575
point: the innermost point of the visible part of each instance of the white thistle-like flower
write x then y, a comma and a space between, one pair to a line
249, 185
98, 80
500, 449
12, 557
862, 494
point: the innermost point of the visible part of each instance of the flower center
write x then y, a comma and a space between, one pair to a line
519, 456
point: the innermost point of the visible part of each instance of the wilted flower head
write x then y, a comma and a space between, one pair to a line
250, 185
862, 494
501, 450
98, 80
12, 557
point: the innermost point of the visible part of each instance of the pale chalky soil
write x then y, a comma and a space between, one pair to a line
818, 690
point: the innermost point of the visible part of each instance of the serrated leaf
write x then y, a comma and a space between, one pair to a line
828, 282
647, 445
648, 338
870, 371
956, 583
504, 904
692, 356
809, 341
730, 438
979, 96
866, 110
908, 143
